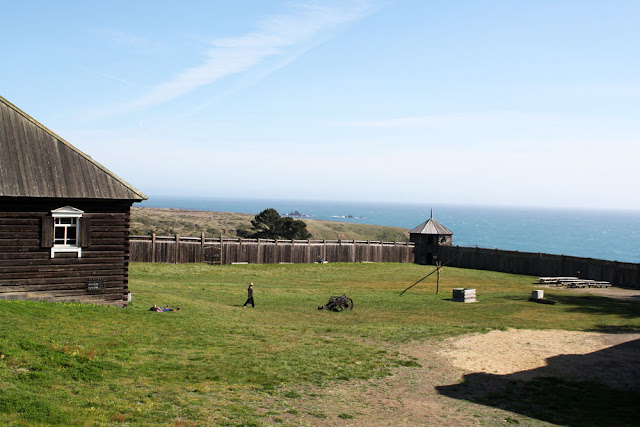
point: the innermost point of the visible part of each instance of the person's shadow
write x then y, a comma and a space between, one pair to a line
599, 388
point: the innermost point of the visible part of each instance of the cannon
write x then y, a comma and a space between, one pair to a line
338, 303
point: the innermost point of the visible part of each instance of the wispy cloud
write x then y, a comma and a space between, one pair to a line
127, 39
443, 120
115, 79
276, 36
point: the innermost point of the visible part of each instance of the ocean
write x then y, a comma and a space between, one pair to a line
601, 234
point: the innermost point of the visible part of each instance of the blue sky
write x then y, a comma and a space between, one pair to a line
467, 102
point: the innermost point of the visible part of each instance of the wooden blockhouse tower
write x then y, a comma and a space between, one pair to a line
64, 218
428, 237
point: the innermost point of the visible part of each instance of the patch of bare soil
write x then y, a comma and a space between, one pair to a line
410, 396
407, 398
525, 354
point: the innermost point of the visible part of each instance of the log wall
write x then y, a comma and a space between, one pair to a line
27, 270
174, 249
540, 264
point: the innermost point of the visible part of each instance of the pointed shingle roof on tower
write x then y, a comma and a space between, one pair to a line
35, 162
431, 226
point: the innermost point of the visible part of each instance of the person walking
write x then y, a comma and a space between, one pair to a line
250, 296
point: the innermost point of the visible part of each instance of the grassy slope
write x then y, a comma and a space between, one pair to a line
214, 362
192, 223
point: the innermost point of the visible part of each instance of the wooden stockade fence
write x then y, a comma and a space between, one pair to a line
217, 250
540, 264
175, 249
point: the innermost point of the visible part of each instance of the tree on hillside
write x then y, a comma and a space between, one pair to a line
268, 224
265, 224
294, 229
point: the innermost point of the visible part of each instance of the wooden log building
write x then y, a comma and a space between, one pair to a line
64, 218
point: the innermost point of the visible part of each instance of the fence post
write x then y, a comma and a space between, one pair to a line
153, 247
353, 256
177, 251
324, 249
202, 247
293, 244
276, 254
221, 251
259, 252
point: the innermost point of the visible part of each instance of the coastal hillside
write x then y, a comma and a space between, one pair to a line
167, 222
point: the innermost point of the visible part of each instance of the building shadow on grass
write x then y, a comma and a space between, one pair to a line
615, 329
595, 389
590, 304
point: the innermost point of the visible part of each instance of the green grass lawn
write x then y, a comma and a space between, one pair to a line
214, 361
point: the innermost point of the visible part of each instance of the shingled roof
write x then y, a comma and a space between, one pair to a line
431, 226
35, 162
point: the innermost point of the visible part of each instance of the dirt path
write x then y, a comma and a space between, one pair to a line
410, 397
426, 395
525, 354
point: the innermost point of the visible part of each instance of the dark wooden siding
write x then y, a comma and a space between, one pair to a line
27, 270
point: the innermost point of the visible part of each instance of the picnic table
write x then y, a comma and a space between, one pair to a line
588, 284
573, 282
577, 283
555, 280
601, 284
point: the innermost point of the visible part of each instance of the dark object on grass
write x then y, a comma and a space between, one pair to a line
338, 303
163, 309
543, 300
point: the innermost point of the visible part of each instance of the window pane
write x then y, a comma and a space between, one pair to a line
71, 235
59, 233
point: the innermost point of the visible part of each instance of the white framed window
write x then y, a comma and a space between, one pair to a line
66, 230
